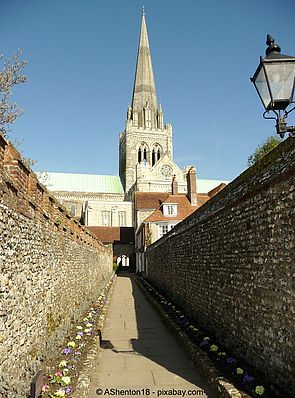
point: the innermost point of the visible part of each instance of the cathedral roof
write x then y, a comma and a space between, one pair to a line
205, 186
144, 90
70, 182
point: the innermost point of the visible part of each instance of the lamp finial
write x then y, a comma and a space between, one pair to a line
270, 41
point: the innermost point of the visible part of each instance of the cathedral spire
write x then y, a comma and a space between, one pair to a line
144, 91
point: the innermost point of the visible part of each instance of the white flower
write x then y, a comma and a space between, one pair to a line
66, 380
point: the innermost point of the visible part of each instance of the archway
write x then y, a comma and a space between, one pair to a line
123, 261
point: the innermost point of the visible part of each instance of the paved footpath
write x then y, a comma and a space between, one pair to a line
138, 352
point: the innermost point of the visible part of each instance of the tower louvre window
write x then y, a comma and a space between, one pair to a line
159, 154
153, 157
142, 153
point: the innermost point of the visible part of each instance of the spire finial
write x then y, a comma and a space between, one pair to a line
143, 13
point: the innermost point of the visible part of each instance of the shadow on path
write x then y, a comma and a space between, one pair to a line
138, 351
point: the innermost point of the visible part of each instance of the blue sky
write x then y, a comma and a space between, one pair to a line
81, 62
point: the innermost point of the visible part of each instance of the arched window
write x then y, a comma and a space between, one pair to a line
156, 153
142, 153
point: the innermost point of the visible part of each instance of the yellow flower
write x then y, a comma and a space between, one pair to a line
59, 394
72, 344
214, 348
78, 337
86, 330
62, 364
79, 327
259, 390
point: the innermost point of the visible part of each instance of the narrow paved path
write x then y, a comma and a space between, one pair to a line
138, 352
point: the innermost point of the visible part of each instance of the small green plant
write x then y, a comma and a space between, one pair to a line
261, 150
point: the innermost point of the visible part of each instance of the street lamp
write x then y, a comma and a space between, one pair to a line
274, 81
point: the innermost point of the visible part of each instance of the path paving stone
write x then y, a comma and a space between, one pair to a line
138, 352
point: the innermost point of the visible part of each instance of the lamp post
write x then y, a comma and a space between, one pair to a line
274, 81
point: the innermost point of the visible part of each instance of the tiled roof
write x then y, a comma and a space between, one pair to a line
113, 234
70, 182
216, 190
184, 209
149, 200
201, 199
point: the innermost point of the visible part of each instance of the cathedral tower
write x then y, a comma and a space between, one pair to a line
145, 153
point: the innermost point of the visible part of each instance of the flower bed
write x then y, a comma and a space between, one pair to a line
248, 381
62, 381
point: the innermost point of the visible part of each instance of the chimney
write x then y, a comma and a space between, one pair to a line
192, 186
174, 185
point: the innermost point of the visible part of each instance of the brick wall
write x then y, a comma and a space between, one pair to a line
231, 265
51, 270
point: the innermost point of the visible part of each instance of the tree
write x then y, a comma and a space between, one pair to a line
261, 150
11, 74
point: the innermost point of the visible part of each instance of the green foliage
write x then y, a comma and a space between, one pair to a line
268, 145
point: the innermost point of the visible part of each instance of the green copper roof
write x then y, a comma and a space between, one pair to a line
81, 182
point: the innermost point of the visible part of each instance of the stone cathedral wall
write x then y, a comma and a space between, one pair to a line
51, 271
231, 265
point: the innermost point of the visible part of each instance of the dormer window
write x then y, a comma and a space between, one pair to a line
170, 210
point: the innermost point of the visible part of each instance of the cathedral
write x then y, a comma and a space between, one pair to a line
115, 208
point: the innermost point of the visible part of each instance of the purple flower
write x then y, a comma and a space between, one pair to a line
230, 361
80, 333
204, 343
68, 390
248, 379
67, 351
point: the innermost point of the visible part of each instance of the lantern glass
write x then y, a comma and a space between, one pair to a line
281, 77
261, 85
